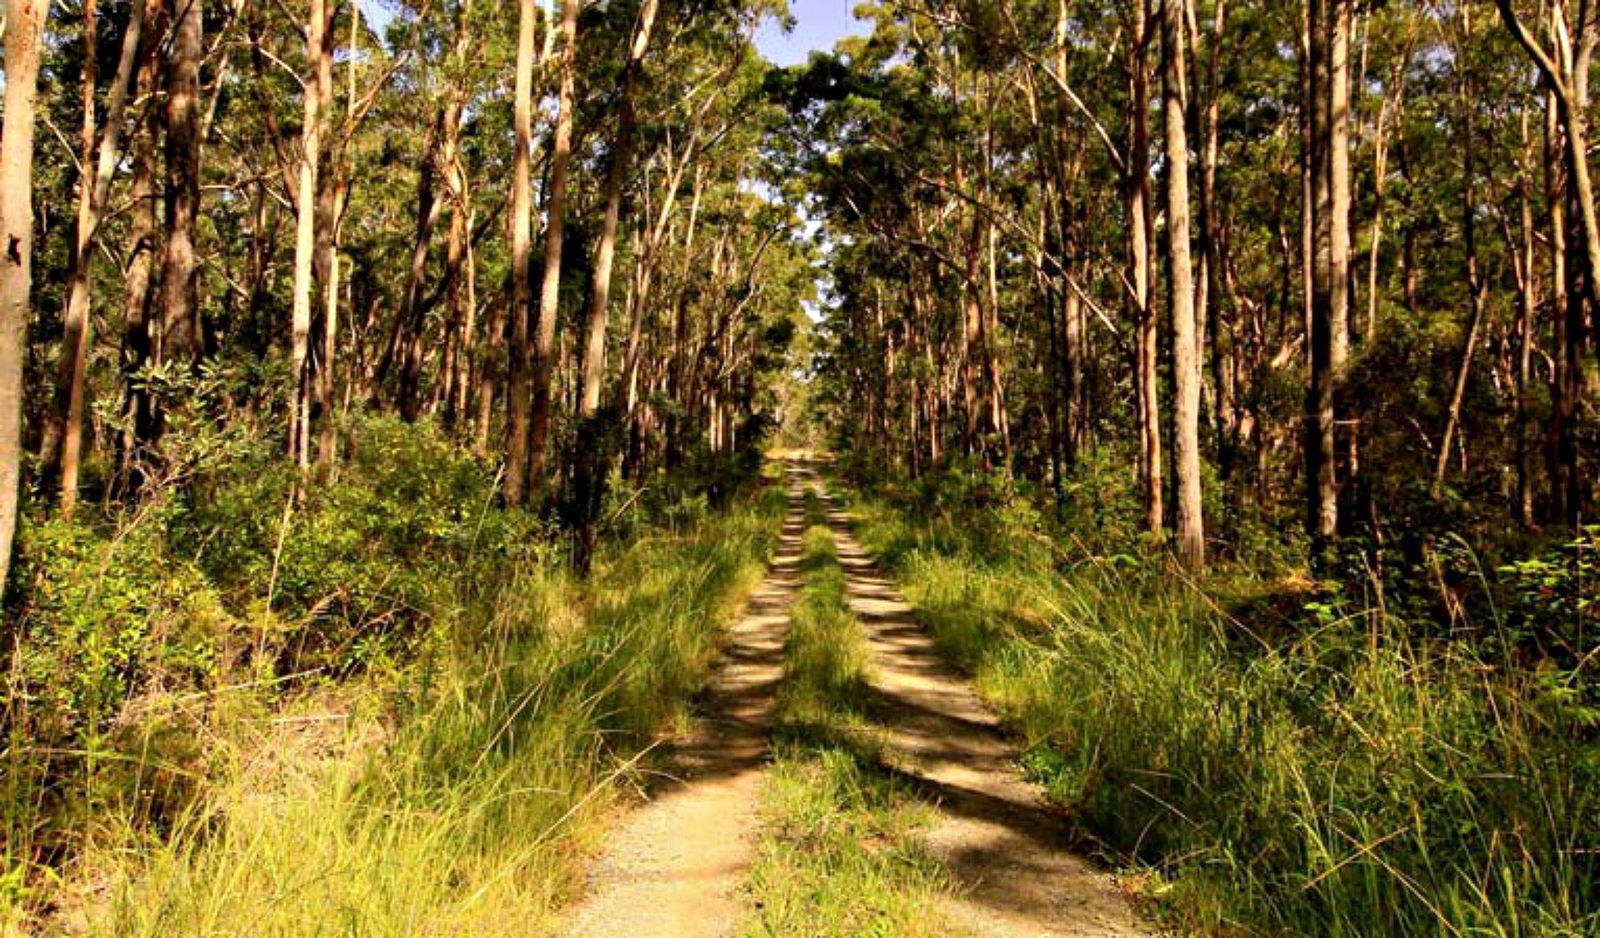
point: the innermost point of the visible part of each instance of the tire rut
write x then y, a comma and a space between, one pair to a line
674, 866
1015, 869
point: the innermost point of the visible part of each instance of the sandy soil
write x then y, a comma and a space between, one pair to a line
1016, 871
673, 868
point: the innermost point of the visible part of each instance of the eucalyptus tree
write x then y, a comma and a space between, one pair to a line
23, 40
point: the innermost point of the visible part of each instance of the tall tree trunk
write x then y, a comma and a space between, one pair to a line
405, 341
1338, 225
1209, 306
1185, 352
458, 255
1140, 262
591, 455
544, 352
306, 247
103, 151
594, 356
520, 385
1527, 312
179, 340
331, 184
1563, 394
24, 32
1466, 100
1324, 320
138, 411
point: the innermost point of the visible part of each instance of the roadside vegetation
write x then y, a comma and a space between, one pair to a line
840, 857
1284, 759
393, 710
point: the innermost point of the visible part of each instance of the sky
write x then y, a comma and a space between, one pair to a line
820, 23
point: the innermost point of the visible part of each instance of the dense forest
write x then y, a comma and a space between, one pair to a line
408, 406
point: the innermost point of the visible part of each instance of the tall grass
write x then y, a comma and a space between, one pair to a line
458, 802
841, 856
1345, 779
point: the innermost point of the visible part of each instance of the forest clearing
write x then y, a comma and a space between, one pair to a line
799, 468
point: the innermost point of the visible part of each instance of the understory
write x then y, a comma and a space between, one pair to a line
1283, 759
382, 706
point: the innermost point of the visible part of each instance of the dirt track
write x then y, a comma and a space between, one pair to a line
674, 867
1016, 872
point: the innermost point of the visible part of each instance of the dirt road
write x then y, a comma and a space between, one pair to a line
1017, 875
674, 866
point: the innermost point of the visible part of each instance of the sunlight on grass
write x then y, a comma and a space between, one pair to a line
841, 857
459, 808
1348, 780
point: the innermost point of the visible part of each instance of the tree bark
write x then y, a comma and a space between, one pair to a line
544, 352
594, 357
178, 341
1563, 386
23, 39
1140, 228
324, 261
1325, 323
520, 383
1466, 100
306, 235
1185, 351
103, 151
592, 451
139, 412
1527, 312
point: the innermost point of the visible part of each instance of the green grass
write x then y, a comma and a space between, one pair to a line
841, 856
1347, 779
457, 804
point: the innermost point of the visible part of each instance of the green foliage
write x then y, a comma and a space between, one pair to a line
841, 854
453, 798
1552, 601
342, 570
112, 630
149, 649
1330, 771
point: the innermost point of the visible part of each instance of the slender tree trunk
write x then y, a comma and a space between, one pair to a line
591, 456
306, 237
520, 386
23, 35
1392, 108
1338, 225
460, 328
1475, 286
1527, 312
594, 357
406, 340
325, 260
1209, 307
179, 338
1563, 398
138, 412
103, 151
491, 367
1140, 262
1322, 504
1185, 352
544, 359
